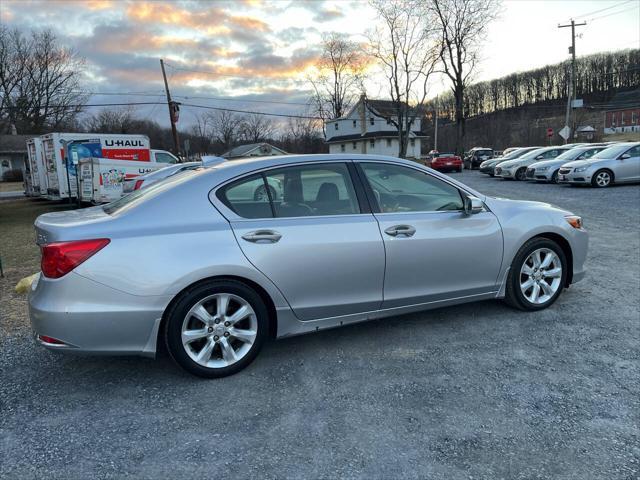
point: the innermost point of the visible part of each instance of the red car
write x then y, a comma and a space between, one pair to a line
446, 162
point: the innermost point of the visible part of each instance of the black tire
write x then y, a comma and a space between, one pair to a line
514, 296
459, 170
602, 174
260, 193
554, 177
188, 298
520, 174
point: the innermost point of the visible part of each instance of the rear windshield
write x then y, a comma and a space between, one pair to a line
139, 196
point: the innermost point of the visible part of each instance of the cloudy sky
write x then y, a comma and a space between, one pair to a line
246, 54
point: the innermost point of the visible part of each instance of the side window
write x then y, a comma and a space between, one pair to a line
248, 197
164, 158
634, 152
313, 190
404, 189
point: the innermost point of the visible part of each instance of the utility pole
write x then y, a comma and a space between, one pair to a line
435, 135
571, 94
172, 110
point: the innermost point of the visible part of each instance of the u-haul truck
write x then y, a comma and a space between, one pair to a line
62, 180
102, 179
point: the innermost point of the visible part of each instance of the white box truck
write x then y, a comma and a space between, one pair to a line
36, 175
102, 179
85, 145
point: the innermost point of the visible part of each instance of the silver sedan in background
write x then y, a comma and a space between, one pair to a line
548, 170
516, 169
201, 264
619, 163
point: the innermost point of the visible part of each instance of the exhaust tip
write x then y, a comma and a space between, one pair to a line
50, 341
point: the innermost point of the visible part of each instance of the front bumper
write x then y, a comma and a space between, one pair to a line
488, 170
539, 176
504, 173
579, 178
92, 318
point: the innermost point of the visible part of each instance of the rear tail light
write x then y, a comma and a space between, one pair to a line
138, 184
60, 258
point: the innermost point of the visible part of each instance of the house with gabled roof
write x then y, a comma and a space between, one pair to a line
253, 150
368, 128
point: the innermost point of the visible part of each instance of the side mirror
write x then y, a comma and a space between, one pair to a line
472, 205
624, 156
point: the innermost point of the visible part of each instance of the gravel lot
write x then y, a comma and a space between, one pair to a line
476, 391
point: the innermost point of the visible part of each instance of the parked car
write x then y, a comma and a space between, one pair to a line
211, 272
507, 151
148, 179
489, 166
476, 156
516, 169
619, 163
446, 162
547, 170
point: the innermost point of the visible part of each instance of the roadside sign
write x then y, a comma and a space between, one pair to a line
565, 132
549, 132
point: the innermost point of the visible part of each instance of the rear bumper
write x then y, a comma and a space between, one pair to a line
93, 318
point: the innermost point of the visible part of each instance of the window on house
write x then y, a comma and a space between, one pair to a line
355, 124
342, 148
336, 125
355, 145
634, 118
622, 122
388, 121
413, 142
388, 142
372, 143
372, 121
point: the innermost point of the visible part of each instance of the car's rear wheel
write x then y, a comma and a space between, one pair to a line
216, 328
521, 173
602, 179
260, 194
537, 276
554, 177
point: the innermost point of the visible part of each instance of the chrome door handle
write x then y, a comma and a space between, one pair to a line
401, 231
262, 236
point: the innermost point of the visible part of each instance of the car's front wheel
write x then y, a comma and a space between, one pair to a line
537, 276
602, 179
521, 173
216, 328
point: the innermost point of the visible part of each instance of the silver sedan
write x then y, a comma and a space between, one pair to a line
199, 263
619, 163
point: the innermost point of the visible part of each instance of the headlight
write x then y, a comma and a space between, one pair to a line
542, 169
580, 169
574, 220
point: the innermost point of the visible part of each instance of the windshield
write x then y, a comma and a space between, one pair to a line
611, 152
139, 196
534, 153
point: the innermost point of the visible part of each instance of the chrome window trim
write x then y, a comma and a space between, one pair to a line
230, 215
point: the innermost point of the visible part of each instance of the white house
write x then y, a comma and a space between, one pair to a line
367, 129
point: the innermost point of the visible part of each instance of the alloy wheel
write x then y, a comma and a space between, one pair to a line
219, 330
540, 276
603, 179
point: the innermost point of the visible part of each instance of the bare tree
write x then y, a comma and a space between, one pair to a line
257, 128
337, 80
225, 127
404, 44
111, 121
39, 81
463, 25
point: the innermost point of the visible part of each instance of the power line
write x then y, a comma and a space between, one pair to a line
604, 9
614, 13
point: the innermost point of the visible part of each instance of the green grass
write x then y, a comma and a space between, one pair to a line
20, 256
